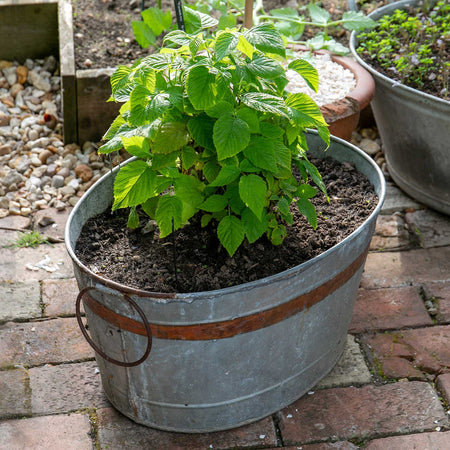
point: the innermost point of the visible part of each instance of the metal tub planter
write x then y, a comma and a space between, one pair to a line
415, 129
215, 360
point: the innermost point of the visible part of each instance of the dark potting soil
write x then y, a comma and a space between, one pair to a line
144, 261
103, 36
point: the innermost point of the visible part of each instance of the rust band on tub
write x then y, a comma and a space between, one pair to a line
229, 328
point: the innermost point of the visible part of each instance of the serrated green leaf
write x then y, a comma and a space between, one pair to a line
308, 210
169, 210
254, 228
188, 157
133, 185
226, 176
122, 83
231, 135
195, 45
357, 21
137, 146
145, 108
115, 143
206, 218
214, 203
315, 175
263, 102
189, 189
282, 13
283, 156
303, 111
149, 206
171, 136
177, 37
160, 161
252, 191
249, 116
133, 218
201, 129
195, 21
157, 20
278, 234
210, 170
113, 128
245, 47
265, 67
200, 87
220, 108
318, 14
235, 202
225, 44
266, 38
143, 34
226, 21
306, 191
230, 233
307, 71
261, 153
247, 167
271, 130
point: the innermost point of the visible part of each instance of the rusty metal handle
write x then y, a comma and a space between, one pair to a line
101, 352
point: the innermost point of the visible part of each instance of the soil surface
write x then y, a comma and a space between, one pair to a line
144, 261
103, 35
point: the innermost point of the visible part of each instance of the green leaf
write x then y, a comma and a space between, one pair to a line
357, 21
157, 20
283, 156
161, 161
226, 21
247, 167
170, 137
200, 87
133, 218
177, 37
308, 210
114, 128
214, 203
318, 14
137, 146
266, 38
150, 205
231, 135
264, 67
315, 175
169, 208
188, 157
278, 234
134, 184
252, 190
195, 21
201, 129
206, 218
272, 131
225, 44
250, 117
263, 102
189, 189
210, 170
261, 153
235, 202
245, 47
145, 108
143, 34
230, 233
226, 176
303, 111
306, 191
307, 71
285, 13
122, 83
254, 228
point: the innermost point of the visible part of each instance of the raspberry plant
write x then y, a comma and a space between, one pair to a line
214, 134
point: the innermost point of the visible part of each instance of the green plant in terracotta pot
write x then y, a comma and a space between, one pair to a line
215, 140
408, 56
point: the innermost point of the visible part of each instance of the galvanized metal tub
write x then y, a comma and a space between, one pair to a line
415, 131
224, 358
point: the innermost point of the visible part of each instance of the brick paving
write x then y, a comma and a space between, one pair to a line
391, 389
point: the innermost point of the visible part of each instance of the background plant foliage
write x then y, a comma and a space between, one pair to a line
214, 134
413, 46
289, 22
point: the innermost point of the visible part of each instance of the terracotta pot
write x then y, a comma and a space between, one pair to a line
343, 115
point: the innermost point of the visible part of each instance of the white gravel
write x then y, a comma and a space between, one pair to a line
335, 82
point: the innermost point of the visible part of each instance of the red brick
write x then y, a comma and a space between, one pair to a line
424, 352
66, 388
70, 432
15, 394
117, 432
341, 445
384, 309
423, 441
59, 297
37, 343
441, 293
362, 413
395, 269
443, 384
